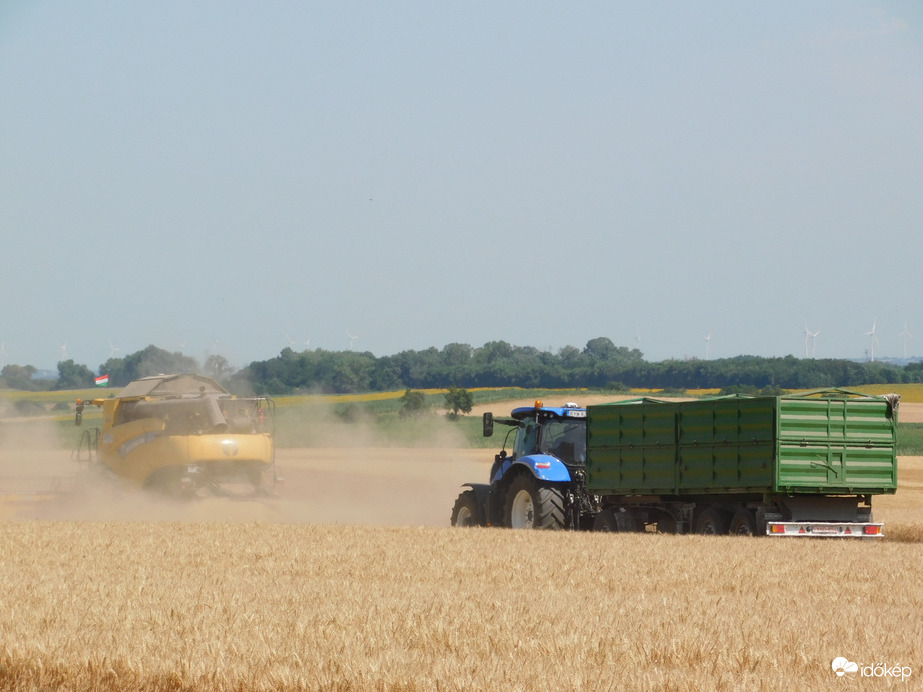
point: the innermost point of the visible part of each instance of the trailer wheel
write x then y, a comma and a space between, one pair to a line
606, 522
534, 505
467, 510
743, 523
712, 522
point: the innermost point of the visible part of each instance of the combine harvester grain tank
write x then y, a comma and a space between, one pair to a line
180, 434
795, 465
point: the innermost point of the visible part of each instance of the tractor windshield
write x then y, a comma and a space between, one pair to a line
565, 439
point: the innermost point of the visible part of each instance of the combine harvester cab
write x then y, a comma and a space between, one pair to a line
179, 434
540, 484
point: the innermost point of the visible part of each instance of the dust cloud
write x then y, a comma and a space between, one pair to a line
358, 476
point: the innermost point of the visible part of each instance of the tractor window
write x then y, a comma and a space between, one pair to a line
526, 439
566, 440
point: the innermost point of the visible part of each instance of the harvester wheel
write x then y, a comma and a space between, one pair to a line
743, 523
712, 522
467, 510
534, 505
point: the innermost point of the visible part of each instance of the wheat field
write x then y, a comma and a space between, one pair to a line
351, 580
189, 606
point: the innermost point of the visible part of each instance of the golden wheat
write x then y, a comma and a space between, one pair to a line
204, 606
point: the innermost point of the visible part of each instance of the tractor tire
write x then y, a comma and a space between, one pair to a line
743, 523
467, 510
712, 522
531, 504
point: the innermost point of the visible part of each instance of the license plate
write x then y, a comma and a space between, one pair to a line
825, 529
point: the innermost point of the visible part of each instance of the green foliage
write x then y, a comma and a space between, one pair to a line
458, 400
218, 368
149, 361
27, 407
413, 404
910, 439
18, 377
73, 376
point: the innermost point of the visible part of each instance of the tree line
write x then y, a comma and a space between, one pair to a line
600, 364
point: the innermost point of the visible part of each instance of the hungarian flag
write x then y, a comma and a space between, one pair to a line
102, 381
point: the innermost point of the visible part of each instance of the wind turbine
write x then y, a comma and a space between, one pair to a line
638, 339
113, 349
2, 354
352, 339
873, 339
906, 334
63, 350
708, 346
813, 336
808, 334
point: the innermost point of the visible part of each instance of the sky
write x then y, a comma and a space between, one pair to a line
696, 180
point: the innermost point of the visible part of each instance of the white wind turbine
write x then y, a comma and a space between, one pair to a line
63, 351
352, 339
708, 346
813, 336
113, 349
907, 336
2, 354
638, 339
873, 339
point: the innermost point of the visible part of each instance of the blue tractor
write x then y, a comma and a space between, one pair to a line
542, 484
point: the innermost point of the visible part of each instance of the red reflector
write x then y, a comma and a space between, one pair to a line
871, 530
778, 528
801, 530
848, 531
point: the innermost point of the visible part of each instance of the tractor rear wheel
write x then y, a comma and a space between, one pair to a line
467, 510
531, 504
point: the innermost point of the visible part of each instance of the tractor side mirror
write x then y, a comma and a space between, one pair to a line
488, 424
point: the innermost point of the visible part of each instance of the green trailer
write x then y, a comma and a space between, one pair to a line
801, 464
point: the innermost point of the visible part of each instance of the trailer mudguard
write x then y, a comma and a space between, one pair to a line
542, 466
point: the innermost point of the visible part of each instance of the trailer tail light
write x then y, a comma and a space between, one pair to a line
871, 530
777, 528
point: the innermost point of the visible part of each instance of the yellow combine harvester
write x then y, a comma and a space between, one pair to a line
182, 433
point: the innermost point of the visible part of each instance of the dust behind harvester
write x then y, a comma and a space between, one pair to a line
182, 434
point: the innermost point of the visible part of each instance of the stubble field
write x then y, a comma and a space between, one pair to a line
351, 580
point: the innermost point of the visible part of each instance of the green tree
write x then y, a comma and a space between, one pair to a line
18, 376
218, 367
413, 403
72, 375
458, 399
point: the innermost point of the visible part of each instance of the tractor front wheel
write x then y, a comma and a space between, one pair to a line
467, 510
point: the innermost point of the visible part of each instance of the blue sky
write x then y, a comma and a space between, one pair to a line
236, 177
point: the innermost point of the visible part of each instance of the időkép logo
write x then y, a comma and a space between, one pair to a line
843, 666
